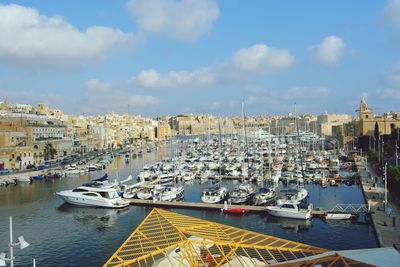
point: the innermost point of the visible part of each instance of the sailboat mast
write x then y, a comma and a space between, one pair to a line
245, 141
298, 140
220, 150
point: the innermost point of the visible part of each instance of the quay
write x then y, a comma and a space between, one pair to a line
385, 223
205, 206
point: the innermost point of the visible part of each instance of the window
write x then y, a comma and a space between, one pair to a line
90, 194
12, 156
79, 190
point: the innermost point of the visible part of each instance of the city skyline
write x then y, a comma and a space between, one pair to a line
172, 57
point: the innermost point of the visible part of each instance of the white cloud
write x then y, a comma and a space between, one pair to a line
392, 94
29, 38
242, 64
180, 19
392, 12
173, 79
391, 89
262, 58
329, 51
101, 97
304, 92
392, 76
282, 100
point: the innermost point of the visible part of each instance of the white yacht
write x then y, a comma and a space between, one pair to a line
188, 176
214, 194
242, 195
106, 197
169, 193
145, 193
295, 195
72, 171
289, 209
264, 196
23, 180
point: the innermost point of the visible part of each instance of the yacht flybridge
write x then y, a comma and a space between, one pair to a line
106, 197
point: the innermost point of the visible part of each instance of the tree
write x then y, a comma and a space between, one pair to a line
376, 134
49, 151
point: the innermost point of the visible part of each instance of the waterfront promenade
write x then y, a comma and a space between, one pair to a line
386, 224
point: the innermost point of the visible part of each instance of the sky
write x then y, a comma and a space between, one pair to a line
169, 57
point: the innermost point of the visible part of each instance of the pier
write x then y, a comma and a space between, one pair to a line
192, 205
386, 227
317, 213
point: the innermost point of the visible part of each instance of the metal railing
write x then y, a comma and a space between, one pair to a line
351, 208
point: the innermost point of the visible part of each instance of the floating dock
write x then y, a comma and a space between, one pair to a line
204, 206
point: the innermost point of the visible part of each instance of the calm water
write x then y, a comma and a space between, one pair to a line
63, 235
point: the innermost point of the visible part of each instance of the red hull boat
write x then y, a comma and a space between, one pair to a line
236, 211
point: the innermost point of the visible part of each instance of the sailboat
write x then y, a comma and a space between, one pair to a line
218, 193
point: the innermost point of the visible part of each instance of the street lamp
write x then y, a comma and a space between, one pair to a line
22, 244
386, 203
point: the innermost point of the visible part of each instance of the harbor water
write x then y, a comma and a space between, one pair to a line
64, 235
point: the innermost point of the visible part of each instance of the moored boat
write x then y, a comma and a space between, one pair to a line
289, 209
237, 211
214, 194
106, 197
264, 196
169, 193
23, 180
242, 195
337, 216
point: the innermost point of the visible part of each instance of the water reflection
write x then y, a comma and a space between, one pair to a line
290, 224
102, 218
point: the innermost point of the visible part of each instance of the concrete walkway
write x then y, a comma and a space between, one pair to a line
388, 233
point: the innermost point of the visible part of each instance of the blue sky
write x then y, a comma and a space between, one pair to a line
167, 57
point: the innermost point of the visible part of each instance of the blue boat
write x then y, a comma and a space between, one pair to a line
38, 177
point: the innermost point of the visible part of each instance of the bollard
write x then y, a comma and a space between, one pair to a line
394, 221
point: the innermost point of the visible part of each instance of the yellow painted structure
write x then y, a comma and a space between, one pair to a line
329, 260
166, 238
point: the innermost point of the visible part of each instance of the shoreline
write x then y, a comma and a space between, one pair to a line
388, 235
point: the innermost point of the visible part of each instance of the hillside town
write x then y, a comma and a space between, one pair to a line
35, 135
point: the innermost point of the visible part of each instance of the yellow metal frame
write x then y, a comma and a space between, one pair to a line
182, 240
330, 260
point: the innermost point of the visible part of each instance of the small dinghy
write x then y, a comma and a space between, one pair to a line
337, 216
236, 211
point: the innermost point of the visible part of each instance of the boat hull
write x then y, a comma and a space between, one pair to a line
274, 211
338, 216
236, 211
91, 202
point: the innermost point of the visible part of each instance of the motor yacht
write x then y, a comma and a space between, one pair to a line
106, 197
264, 196
214, 194
290, 209
295, 195
242, 195
168, 193
145, 193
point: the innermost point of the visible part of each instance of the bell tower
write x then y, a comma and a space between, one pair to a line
364, 111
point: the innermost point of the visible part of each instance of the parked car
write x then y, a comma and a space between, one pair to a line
5, 171
40, 167
30, 166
